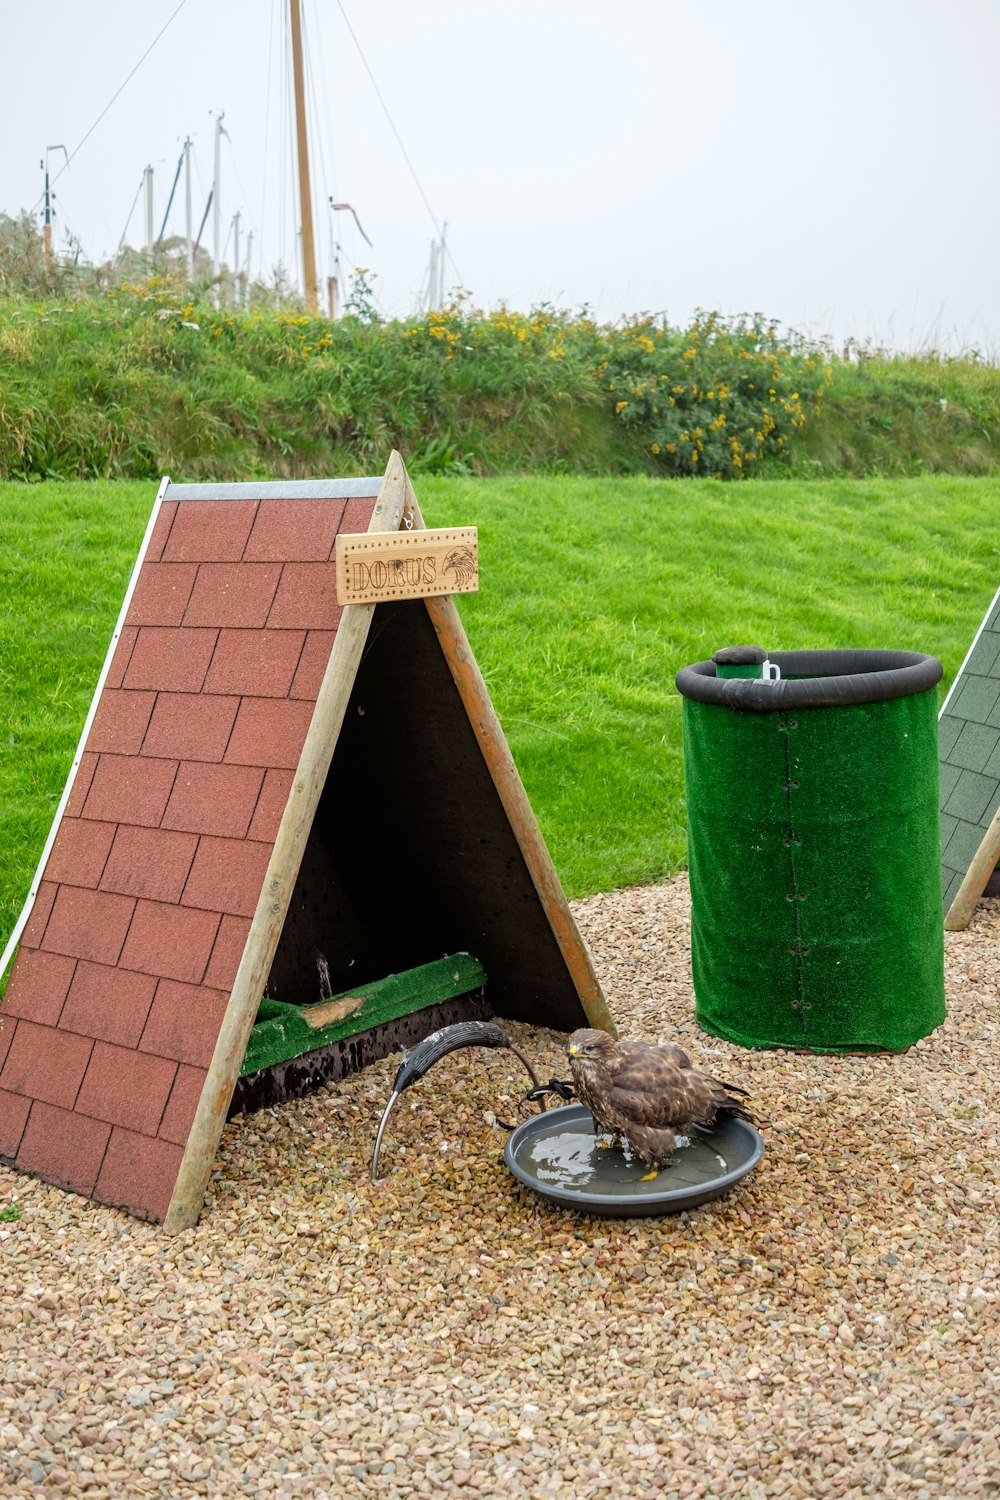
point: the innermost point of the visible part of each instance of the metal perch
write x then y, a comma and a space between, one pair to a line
426, 1053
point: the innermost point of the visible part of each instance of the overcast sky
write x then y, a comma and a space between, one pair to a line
830, 163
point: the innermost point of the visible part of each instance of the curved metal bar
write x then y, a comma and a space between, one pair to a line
381, 1127
426, 1053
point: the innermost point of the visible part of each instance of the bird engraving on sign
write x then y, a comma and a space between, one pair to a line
461, 562
646, 1093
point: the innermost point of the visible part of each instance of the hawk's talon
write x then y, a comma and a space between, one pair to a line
648, 1176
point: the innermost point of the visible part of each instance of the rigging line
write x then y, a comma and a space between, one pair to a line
329, 134
111, 101
69, 236
289, 184
130, 213
170, 200
239, 179
399, 139
317, 159
312, 100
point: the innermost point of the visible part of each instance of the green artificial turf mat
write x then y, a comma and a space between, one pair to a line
814, 853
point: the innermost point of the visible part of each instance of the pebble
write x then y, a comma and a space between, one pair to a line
827, 1329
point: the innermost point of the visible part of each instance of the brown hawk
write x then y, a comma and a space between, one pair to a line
647, 1093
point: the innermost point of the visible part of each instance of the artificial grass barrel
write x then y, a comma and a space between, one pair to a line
814, 850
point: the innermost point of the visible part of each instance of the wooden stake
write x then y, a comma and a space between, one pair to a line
984, 862
302, 139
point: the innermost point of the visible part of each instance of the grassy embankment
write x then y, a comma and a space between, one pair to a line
593, 594
146, 379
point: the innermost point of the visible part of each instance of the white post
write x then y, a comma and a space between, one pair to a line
187, 208
236, 256
147, 178
432, 278
246, 267
444, 238
216, 204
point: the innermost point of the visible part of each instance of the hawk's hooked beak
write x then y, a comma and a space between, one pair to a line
574, 1051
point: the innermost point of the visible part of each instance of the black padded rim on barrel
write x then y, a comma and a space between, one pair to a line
815, 679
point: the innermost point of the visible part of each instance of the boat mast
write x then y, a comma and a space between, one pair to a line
305, 194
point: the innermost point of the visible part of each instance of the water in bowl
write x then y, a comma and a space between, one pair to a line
578, 1160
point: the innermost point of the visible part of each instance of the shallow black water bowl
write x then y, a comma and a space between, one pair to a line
557, 1155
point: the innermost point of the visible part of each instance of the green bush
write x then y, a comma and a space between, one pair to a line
148, 378
716, 399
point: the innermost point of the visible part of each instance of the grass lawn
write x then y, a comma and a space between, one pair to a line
593, 592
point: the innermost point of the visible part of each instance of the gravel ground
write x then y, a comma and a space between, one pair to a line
829, 1328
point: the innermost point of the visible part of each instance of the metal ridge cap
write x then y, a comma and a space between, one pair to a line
280, 489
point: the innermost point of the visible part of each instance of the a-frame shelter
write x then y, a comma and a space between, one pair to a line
266, 782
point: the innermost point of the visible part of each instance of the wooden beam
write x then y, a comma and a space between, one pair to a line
475, 698
302, 141
279, 882
984, 862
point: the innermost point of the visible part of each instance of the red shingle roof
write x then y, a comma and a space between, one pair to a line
139, 923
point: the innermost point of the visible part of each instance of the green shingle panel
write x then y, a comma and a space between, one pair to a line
962, 845
974, 746
969, 749
948, 732
948, 826
976, 698
952, 881
985, 654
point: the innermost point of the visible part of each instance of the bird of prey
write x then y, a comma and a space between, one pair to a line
646, 1093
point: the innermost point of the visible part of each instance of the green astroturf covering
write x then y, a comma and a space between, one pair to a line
814, 852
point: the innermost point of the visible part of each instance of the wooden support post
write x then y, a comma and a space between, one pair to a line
475, 698
984, 862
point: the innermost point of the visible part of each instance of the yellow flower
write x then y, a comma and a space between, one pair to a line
620, 406
654, 447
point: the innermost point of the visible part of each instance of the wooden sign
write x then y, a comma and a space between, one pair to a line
377, 565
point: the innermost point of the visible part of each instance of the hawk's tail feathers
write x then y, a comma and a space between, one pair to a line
737, 1107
